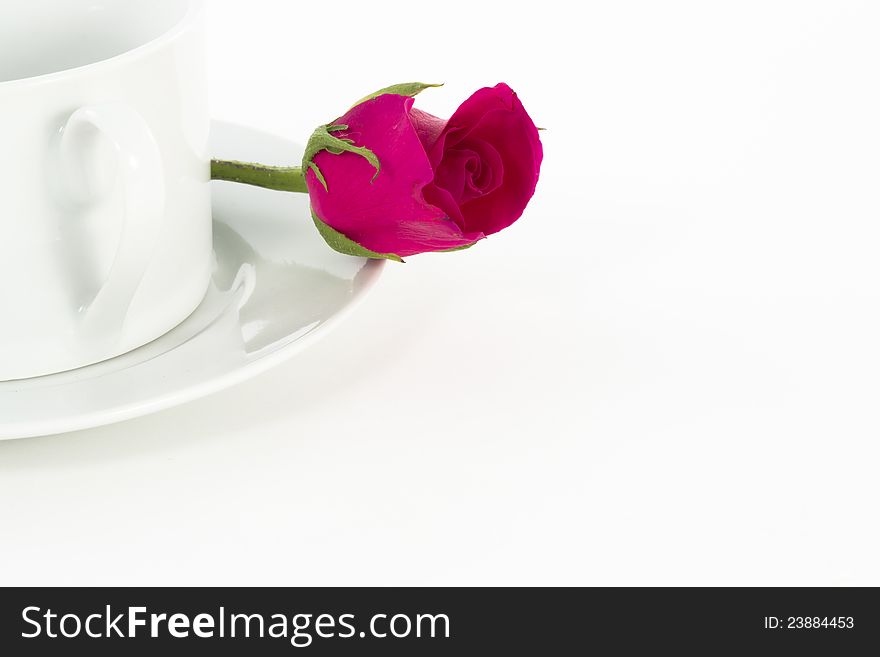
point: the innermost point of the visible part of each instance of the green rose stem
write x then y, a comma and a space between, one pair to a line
283, 179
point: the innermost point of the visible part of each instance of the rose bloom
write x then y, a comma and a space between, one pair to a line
443, 185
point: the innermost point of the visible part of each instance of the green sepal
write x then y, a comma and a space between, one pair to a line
339, 242
410, 89
322, 140
459, 248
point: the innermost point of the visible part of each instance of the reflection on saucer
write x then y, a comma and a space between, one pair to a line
272, 297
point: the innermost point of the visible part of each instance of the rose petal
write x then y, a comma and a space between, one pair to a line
489, 175
428, 127
452, 174
519, 147
494, 115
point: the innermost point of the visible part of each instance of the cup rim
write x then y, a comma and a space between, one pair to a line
195, 8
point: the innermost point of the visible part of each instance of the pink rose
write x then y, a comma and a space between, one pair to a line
387, 180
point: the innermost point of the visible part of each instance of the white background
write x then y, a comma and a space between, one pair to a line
667, 373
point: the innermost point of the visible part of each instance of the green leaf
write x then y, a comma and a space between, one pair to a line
322, 140
342, 244
410, 89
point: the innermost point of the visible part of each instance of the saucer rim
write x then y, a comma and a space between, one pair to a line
370, 274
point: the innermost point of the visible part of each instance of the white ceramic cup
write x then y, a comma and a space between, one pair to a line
105, 208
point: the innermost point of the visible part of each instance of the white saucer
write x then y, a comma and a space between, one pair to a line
277, 287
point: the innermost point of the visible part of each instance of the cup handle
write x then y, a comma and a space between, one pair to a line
141, 176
